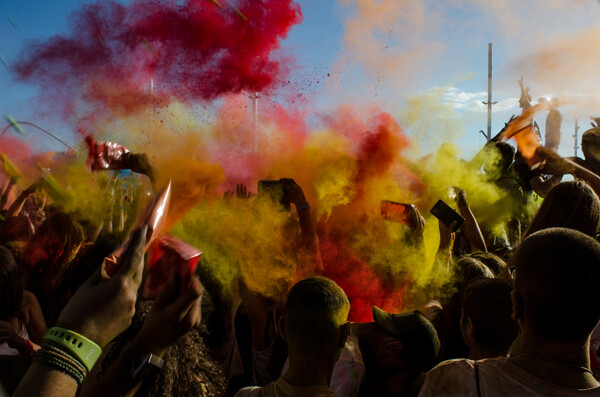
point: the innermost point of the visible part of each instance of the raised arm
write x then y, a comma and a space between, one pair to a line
17, 205
171, 317
100, 310
309, 240
471, 227
6, 194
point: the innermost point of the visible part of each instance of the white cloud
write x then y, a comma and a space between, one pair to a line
473, 101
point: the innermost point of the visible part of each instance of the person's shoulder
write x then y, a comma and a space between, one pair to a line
259, 391
449, 378
251, 391
29, 304
29, 298
493, 364
454, 365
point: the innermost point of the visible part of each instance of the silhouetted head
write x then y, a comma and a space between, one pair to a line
316, 315
487, 316
571, 204
556, 295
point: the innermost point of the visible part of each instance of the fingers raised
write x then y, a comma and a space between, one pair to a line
133, 259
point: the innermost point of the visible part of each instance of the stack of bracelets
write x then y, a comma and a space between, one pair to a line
68, 352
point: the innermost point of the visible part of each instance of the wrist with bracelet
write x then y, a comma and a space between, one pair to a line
69, 352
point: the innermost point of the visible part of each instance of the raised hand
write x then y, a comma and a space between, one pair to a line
415, 220
460, 197
446, 235
241, 192
101, 310
171, 317
293, 192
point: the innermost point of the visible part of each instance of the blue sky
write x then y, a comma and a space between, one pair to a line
425, 63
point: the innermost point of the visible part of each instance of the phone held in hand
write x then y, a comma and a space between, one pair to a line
397, 212
447, 215
274, 190
154, 216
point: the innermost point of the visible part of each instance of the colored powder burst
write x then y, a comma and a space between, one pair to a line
198, 53
346, 167
249, 240
351, 161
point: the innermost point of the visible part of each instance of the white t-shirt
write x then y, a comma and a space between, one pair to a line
497, 377
280, 388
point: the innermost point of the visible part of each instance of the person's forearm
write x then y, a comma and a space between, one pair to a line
308, 231
588, 176
6, 195
472, 230
16, 207
42, 380
542, 187
310, 239
443, 258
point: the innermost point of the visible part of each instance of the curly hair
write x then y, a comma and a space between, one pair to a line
188, 369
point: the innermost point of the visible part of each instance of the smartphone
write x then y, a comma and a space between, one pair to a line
274, 190
154, 216
447, 215
396, 212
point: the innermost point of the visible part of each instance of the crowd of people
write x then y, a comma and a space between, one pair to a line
519, 316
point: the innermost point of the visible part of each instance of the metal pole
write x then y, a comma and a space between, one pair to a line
575, 147
39, 128
150, 132
489, 101
255, 112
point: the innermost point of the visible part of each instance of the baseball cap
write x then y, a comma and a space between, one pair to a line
414, 330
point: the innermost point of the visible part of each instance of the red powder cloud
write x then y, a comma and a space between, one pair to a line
193, 51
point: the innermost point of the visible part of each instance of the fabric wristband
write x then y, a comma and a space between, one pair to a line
86, 351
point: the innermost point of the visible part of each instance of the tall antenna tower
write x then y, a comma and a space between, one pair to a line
575, 147
489, 102
254, 98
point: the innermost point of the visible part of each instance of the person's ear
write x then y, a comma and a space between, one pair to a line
344, 335
517, 302
467, 330
281, 325
470, 330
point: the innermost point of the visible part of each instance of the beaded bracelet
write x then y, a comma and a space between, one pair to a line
59, 352
59, 364
51, 356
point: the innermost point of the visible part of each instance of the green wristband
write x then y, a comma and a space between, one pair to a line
86, 351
